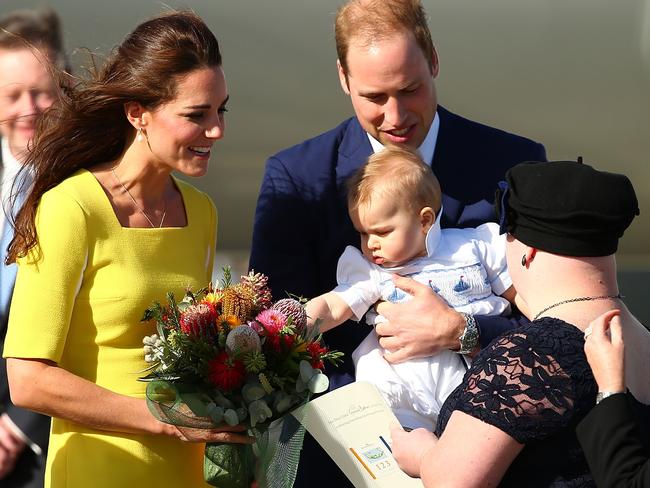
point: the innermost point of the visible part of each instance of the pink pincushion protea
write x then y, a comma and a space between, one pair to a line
196, 319
272, 320
293, 309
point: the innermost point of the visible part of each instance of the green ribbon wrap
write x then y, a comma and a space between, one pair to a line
228, 465
272, 460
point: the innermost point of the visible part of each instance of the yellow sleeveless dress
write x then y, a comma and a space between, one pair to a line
79, 303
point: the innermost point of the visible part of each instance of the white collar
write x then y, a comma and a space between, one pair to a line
434, 235
426, 149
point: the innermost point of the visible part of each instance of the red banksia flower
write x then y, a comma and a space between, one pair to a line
196, 319
225, 372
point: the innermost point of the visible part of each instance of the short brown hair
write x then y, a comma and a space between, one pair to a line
378, 19
399, 173
37, 28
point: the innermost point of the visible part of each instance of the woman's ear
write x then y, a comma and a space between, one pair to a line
135, 114
528, 257
427, 218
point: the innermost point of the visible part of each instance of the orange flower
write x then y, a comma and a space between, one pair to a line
231, 321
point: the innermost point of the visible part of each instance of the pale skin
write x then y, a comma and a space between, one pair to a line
484, 460
544, 280
178, 137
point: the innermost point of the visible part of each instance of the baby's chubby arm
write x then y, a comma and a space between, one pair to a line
330, 308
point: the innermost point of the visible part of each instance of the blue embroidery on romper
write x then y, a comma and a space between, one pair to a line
396, 296
461, 286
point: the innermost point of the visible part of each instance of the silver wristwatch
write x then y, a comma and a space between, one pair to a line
601, 395
469, 338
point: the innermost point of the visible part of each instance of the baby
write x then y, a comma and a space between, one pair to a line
394, 201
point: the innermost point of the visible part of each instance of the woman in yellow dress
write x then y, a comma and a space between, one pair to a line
106, 230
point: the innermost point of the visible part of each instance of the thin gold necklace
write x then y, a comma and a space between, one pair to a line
136, 203
579, 299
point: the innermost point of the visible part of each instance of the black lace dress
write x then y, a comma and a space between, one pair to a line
534, 384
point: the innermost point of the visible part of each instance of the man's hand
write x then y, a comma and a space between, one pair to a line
10, 448
420, 327
605, 351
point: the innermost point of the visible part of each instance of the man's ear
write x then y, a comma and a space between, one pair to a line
136, 114
435, 63
427, 219
343, 79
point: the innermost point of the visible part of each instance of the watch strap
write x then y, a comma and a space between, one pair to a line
469, 338
601, 395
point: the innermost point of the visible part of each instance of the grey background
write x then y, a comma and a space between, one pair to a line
573, 75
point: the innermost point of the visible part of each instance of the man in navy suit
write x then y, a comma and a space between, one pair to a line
387, 64
29, 40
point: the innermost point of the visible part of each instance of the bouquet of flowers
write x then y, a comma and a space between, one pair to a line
230, 355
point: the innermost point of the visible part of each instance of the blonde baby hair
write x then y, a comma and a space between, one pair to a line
398, 173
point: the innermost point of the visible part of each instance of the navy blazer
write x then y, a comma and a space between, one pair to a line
302, 225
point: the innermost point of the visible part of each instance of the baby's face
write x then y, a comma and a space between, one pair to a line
391, 234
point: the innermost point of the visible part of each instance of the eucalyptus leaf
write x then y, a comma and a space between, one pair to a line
215, 412
231, 417
259, 412
300, 385
306, 371
222, 401
252, 392
318, 383
283, 402
242, 413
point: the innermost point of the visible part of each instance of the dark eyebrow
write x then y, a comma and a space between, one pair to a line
206, 105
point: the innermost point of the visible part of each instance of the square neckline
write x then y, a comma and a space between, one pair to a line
109, 206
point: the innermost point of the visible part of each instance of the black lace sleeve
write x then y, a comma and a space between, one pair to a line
529, 383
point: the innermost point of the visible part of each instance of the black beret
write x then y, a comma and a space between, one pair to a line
566, 207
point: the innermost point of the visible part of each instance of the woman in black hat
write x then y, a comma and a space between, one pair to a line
512, 421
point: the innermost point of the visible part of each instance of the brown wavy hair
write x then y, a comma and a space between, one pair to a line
87, 124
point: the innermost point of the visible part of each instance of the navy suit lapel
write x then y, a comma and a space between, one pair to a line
353, 152
452, 208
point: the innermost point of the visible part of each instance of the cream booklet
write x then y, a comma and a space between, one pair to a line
352, 424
